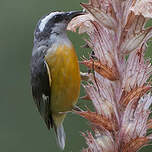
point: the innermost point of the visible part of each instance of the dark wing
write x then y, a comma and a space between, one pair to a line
41, 86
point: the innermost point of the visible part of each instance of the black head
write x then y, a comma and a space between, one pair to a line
55, 22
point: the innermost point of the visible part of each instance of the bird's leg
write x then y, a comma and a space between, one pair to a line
76, 108
93, 57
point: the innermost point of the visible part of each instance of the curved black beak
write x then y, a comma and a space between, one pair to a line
72, 14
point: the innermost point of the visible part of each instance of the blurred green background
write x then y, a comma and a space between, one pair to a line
21, 127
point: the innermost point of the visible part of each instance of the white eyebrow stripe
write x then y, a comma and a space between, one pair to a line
46, 19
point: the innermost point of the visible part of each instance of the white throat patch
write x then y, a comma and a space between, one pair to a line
46, 19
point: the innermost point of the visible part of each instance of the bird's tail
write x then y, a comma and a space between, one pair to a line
59, 130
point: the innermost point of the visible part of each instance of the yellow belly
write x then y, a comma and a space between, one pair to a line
65, 76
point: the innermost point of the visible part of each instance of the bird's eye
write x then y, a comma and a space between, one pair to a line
58, 18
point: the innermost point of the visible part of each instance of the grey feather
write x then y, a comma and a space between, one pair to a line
61, 137
40, 85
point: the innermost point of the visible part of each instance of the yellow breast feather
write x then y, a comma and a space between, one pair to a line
65, 76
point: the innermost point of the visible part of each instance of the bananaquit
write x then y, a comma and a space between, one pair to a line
55, 75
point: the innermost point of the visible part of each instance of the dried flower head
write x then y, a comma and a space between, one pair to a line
118, 87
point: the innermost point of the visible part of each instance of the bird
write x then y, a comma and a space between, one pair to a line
55, 73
